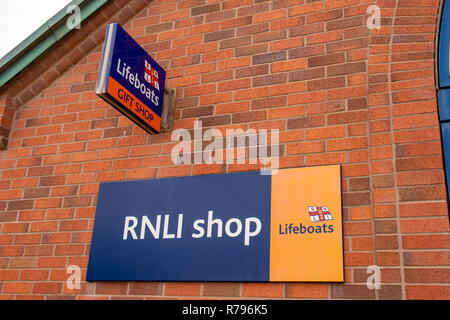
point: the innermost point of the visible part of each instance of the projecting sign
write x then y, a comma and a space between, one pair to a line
225, 227
130, 80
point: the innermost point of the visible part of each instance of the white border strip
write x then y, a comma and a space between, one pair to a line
107, 56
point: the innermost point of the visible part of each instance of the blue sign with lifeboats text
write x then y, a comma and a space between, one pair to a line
130, 80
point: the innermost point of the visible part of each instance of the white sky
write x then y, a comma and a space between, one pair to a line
20, 18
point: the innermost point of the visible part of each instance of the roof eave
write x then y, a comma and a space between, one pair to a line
43, 39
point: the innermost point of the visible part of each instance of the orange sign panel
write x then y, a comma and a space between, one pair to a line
306, 225
133, 105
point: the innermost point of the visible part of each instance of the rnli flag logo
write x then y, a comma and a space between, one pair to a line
317, 214
151, 75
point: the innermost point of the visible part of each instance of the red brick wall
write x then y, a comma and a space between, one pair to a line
337, 91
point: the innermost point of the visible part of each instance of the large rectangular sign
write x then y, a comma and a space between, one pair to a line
130, 80
225, 227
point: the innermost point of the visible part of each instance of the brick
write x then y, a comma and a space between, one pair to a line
20, 205
234, 63
426, 177
429, 275
313, 52
305, 122
423, 209
287, 44
248, 10
417, 149
305, 9
348, 68
327, 83
47, 287
73, 225
215, 120
268, 102
173, 171
347, 117
11, 251
413, 95
362, 244
155, 28
383, 181
390, 292
359, 184
360, 213
422, 193
77, 201
251, 71
242, 45
385, 226
428, 292
138, 288
249, 116
305, 147
17, 287
351, 291
218, 35
347, 144
357, 228
34, 122
346, 45
232, 107
70, 249
289, 65
419, 163
15, 227
327, 158
218, 55
221, 289
250, 93
237, 22
234, 84
268, 16
11, 194
426, 258
22, 262
326, 60
281, 113
308, 97
423, 225
27, 239
9, 274
252, 29
384, 195
358, 258
269, 57
272, 290
345, 93
269, 36
293, 87
325, 37
269, 79
52, 262
205, 9
182, 289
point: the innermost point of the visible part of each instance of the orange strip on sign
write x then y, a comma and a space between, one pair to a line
133, 105
303, 248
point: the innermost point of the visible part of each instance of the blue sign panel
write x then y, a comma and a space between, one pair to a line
444, 40
445, 127
200, 228
130, 80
